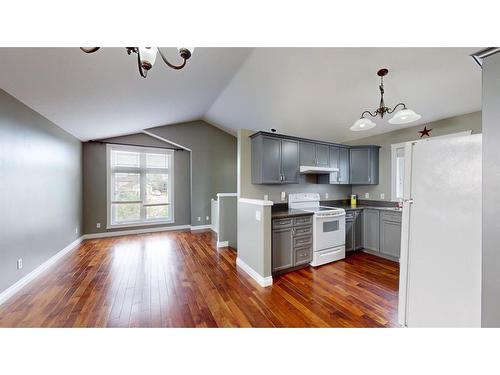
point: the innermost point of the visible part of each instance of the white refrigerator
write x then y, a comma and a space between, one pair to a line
440, 264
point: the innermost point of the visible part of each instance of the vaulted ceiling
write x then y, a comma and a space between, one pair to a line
309, 92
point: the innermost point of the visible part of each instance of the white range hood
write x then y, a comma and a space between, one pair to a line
306, 169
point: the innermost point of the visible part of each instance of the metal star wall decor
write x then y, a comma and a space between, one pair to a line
425, 132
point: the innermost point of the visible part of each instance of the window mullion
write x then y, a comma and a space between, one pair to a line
142, 187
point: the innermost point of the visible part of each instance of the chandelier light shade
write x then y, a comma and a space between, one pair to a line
146, 57
403, 116
362, 124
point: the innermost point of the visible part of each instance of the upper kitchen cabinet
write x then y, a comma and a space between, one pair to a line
339, 158
275, 160
364, 165
314, 154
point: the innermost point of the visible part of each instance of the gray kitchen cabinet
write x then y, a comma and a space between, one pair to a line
314, 154
339, 158
371, 229
322, 155
282, 249
390, 234
364, 165
307, 153
290, 161
353, 230
343, 166
291, 243
274, 160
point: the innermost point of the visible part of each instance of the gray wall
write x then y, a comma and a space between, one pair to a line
213, 162
471, 121
40, 189
490, 300
307, 182
254, 237
228, 218
94, 183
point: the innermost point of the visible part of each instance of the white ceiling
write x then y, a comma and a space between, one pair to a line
310, 92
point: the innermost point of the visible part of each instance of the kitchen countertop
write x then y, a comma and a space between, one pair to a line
284, 213
361, 207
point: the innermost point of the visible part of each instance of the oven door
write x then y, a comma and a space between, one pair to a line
329, 232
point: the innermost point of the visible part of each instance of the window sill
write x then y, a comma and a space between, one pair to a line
140, 224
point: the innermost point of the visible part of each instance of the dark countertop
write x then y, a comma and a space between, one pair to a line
283, 213
362, 207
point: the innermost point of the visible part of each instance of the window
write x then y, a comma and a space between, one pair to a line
140, 186
398, 171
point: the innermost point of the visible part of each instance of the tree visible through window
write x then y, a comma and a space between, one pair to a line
139, 185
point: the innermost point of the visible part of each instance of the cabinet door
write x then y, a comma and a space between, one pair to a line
349, 235
282, 249
390, 238
307, 154
371, 229
271, 164
290, 161
322, 155
360, 165
343, 166
334, 177
358, 231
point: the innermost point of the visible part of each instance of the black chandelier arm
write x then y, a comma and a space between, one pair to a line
170, 64
142, 72
371, 114
397, 105
89, 49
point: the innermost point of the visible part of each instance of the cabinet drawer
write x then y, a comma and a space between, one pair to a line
302, 220
392, 216
302, 231
350, 215
282, 223
302, 241
303, 255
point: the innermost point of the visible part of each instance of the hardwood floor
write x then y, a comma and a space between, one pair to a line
179, 279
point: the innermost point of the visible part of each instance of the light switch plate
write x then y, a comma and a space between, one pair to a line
326, 195
367, 195
382, 196
257, 215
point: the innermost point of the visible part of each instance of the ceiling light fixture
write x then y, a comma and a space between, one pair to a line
146, 57
403, 116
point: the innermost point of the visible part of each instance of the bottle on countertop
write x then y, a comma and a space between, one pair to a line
354, 200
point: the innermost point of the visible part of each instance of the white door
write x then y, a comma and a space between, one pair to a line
440, 281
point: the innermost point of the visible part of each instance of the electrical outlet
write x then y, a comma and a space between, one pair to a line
20, 263
367, 195
257, 215
208, 218
98, 225
76, 230
283, 195
382, 196
266, 197
326, 195
198, 218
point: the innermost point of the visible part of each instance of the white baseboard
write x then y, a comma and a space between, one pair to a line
134, 231
262, 281
223, 244
13, 289
201, 227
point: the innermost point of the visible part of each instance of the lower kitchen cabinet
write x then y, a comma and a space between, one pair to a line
282, 249
291, 243
353, 230
390, 234
371, 229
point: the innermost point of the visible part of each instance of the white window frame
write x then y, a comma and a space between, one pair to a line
143, 170
394, 148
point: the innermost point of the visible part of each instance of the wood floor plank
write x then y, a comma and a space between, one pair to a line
181, 279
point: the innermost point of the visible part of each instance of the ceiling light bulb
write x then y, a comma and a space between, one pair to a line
362, 124
404, 116
148, 57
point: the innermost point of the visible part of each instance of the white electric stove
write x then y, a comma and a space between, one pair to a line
328, 227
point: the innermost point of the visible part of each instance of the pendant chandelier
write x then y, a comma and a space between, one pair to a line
146, 57
403, 116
